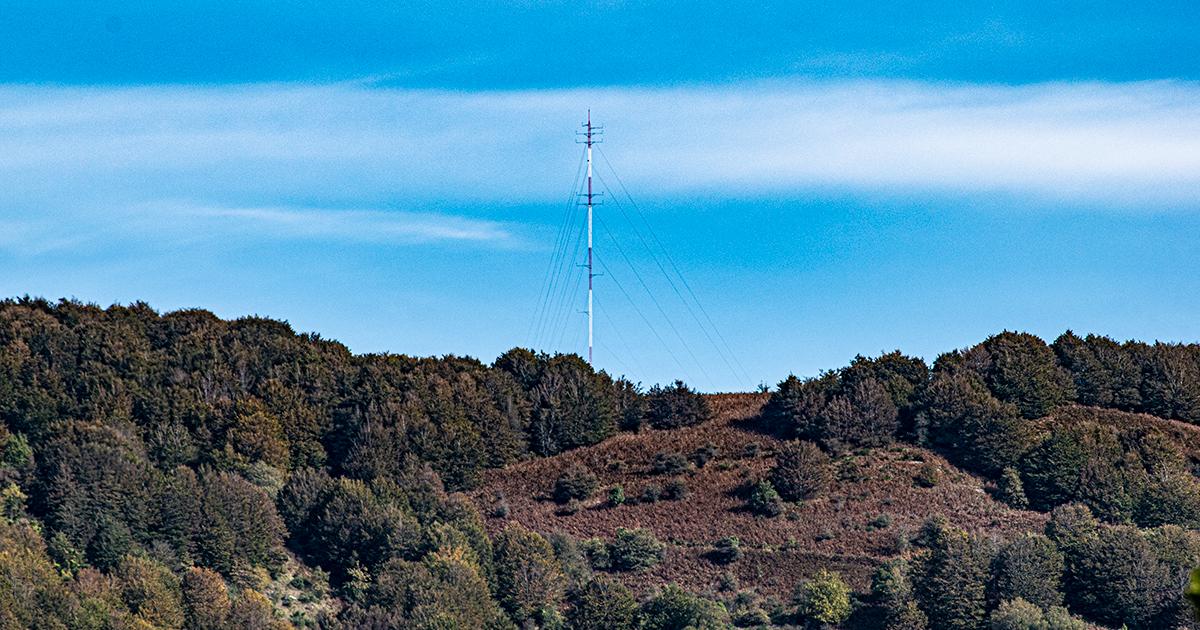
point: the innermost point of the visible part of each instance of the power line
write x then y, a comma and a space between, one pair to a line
562, 289
656, 303
568, 310
744, 375
671, 283
608, 274
554, 264
552, 269
621, 338
615, 357
562, 309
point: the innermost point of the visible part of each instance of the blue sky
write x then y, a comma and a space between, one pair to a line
830, 178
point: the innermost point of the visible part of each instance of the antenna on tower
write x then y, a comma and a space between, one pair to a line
589, 137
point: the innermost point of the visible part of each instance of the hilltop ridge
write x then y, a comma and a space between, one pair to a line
181, 471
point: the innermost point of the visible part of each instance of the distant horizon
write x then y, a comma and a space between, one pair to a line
928, 358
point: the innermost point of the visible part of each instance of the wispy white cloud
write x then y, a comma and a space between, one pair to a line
1128, 145
169, 223
78, 155
366, 226
34, 235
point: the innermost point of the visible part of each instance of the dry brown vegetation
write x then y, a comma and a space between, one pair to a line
842, 530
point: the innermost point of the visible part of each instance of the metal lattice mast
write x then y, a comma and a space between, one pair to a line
590, 136
589, 231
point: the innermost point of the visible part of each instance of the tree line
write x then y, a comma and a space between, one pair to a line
1043, 424
165, 470
149, 461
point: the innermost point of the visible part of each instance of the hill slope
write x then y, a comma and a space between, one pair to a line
834, 531
178, 470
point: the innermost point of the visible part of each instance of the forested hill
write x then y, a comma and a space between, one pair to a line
180, 471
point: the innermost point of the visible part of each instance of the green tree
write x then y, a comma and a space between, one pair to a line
1017, 614
1170, 497
444, 590
529, 580
1011, 490
575, 483
764, 500
258, 435
951, 580
968, 424
892, 596
111, 542
239, 525
825, 599
15, 451
151, 591
1071, 527
673, 608
794, 408
1029, 568
602, 604
635, 550
1116, 578
180, 515
571, 405
355, 527
12, 502
674, 406
726, 550
802, 471
303, 493
901, 376
1178, 549
1105, 373
616, 496
1171, 382
864, 416
96, 485
1084, 463
32, 593
572, 557
1021, 369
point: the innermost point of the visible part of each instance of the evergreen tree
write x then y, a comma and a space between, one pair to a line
1011, 490
675, 406
802, 471
892, 596
1171, 382
1021, 369
529, 579
602, 604
1116, 579
1029, 568
635, 550
673, 608
764, 500
951, 580
1105, 374
969, 425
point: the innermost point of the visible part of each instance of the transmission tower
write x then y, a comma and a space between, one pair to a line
590, 136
